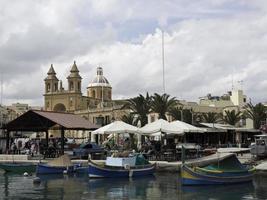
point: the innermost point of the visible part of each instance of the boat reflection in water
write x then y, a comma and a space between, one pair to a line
122, 188
162, 186
231, 191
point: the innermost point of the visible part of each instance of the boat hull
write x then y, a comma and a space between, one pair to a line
18, 167
46, 169
191, 177
95, 171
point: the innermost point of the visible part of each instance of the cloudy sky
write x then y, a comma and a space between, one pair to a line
208, 43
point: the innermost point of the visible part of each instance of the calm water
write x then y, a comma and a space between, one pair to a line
162, 186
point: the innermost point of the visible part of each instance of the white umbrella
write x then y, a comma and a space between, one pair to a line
161, 126
118, 127
187, 127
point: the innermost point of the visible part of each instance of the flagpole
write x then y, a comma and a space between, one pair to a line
163, 62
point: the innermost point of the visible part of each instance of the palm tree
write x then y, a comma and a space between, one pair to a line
232, 117
210, 117
140, 106
178, 113
257, 113
130, 119
161, 104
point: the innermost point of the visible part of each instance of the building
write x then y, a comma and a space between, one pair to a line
97, 105
232, 98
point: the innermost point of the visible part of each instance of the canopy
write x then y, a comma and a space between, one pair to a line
116, 127
62, 161
187, 128
161, 125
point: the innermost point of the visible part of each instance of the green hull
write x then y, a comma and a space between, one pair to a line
18, 167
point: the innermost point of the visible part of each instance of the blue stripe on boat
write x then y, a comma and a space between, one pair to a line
46, 169
97, 171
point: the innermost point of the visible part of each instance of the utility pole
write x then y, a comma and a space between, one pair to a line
163, 62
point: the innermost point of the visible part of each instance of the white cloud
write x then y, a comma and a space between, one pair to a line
205, 43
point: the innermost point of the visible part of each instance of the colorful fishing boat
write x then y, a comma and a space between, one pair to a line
18, 167
134, 166
226, 171
57, 166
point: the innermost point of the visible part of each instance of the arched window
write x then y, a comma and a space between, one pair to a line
48, 87
71, 85
93, 93
55, 87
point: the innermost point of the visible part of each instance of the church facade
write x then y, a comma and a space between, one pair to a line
96, 106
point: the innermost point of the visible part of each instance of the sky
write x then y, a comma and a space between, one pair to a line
210, 46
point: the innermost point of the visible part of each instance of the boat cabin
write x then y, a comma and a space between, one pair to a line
259, 148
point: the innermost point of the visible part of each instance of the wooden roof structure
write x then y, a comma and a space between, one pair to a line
42, 121
35, 120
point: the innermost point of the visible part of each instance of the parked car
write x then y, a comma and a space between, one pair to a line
88, 148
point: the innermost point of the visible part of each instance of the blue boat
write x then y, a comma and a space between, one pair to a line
57, 166
226, 171
46, 169
121, 169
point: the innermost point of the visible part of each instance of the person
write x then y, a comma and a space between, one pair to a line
19, 146
126, 144
13, 148
32, 148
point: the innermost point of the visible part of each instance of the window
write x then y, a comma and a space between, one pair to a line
71, 101
93, 93
79, 85
55, 87
48, 87
107, 119
71, 85
152, 118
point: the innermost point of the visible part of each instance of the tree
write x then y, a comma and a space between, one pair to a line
210, 117
257, 113
130, 119
232, 117
178, 113
140, 106
161, 104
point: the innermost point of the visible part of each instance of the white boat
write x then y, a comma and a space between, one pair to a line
259, 148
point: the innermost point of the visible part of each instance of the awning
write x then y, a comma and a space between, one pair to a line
187, 128
161, 126
118, 127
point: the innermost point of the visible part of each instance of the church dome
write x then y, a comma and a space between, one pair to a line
99, 79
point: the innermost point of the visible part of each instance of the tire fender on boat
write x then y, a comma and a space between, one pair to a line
127, 166
130, 173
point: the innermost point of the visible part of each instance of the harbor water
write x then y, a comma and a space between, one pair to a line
160, 186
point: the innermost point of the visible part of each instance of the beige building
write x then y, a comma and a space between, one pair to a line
97, 106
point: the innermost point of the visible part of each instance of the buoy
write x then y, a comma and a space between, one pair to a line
25, 174
36, 180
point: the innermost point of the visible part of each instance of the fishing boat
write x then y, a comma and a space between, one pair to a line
59, 165
15, 167
115, 167
226, 171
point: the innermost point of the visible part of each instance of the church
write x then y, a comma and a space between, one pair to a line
96, 106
